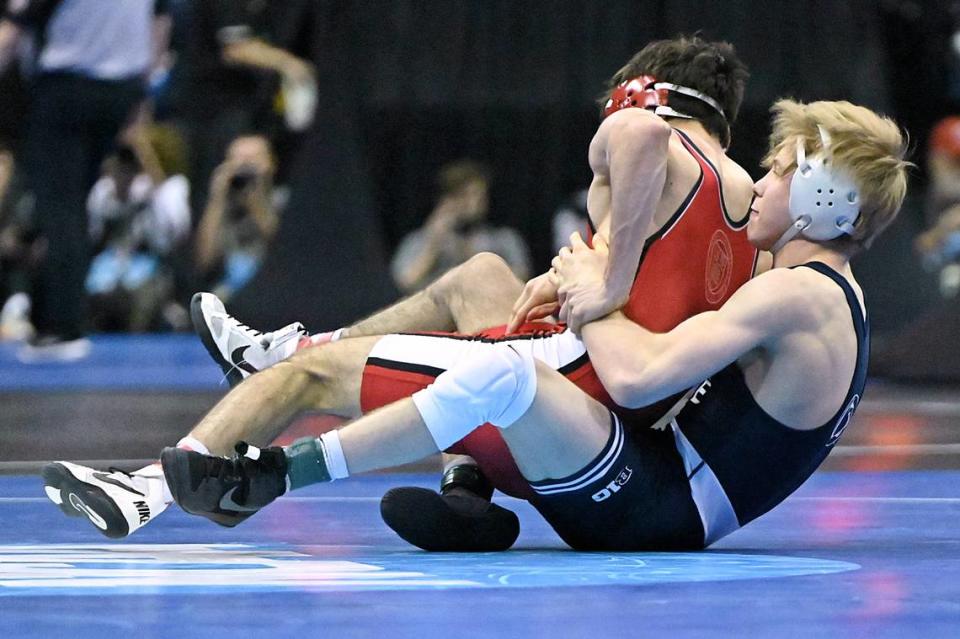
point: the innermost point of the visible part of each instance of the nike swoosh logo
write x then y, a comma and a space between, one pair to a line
239, 361
227, 503
107, 479
96, 519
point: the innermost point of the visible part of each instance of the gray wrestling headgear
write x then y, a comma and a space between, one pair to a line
824, 201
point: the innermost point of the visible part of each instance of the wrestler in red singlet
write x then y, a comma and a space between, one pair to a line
691, 265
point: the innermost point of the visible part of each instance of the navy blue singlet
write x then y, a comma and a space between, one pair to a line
742, 462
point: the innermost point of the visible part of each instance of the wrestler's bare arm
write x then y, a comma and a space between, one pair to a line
628, 156
630, 153
639, 367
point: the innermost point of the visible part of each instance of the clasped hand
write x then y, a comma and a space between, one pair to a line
583, 293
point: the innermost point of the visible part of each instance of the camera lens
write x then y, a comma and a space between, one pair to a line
244, 176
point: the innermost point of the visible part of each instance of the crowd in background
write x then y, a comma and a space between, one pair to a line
145, 163
148, 156
151, 162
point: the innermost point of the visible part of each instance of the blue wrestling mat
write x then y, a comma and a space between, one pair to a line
118, 362
851, 555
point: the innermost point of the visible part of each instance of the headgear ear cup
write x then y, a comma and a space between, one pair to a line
824, 201
639, 92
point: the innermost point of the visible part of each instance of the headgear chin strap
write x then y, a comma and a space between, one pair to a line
824, 202
647, 92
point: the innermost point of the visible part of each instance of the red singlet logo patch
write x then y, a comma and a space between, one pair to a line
719, 267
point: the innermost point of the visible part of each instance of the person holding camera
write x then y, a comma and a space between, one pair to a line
456, 230
139, 217
241, 216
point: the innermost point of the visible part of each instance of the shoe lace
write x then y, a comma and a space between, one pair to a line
218, 468
238, 324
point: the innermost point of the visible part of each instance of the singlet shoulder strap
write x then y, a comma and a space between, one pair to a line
855, 307
862, 330
707, 167
692, 147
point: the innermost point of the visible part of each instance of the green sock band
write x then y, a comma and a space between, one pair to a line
305, 463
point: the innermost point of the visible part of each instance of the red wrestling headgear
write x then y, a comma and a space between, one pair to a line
639, 92
647, 92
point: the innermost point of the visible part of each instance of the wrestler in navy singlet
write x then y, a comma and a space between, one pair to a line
757, 461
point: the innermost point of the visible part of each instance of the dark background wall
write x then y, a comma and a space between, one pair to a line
408, 85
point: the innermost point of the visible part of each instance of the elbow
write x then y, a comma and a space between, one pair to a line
627, 390
638, 387
619, 393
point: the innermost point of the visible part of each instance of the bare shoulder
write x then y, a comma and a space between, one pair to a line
775, 284
807, 297
738, 177
737, 189
630, 125
626, 129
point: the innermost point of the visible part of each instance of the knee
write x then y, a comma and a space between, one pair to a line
489, 270
481, 269
487, 265
497, 386
309, 364
501, 382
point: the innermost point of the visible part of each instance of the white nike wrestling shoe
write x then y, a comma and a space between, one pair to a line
240, 350
114, 502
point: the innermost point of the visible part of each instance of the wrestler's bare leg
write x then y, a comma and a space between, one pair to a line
468, 298
477, 294
325, 380
471, 297
562, 431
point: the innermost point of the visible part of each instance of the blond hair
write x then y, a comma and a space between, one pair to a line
868, 147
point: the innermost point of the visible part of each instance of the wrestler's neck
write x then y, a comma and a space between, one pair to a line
800, 251
696, 130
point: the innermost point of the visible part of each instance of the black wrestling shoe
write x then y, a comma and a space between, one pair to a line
225, 490
461, 518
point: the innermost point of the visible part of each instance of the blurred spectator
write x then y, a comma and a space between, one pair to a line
457, 229
241, 216
571, 217
89, 61
139, 215
240, 60
939, 247
20, 250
